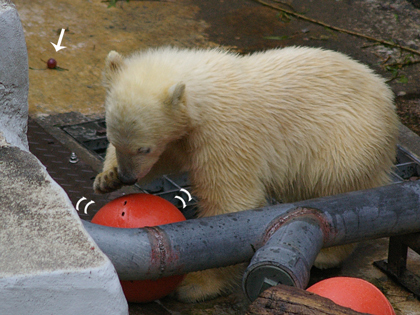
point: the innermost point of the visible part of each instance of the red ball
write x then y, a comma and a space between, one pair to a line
51, 63
354, 293
136, 211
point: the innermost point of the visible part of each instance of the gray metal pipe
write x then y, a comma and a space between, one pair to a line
198, 244
192, 245
286, 258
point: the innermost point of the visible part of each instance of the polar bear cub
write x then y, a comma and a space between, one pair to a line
293, 123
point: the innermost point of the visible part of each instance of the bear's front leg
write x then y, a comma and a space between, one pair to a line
108, 181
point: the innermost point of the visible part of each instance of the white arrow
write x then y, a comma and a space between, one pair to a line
183, 201
184, 204
87, 205
58, 46
78, 203
187, 192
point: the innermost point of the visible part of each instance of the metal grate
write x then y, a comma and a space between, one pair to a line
92, 135
407, 165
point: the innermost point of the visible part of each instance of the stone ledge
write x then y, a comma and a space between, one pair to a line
63, 292
14, 81
48, 262
38, 217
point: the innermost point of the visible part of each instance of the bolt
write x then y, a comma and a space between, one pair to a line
73, 158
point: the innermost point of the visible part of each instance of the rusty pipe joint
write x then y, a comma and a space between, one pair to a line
286, 258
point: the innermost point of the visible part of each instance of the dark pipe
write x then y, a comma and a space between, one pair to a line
182, 247
233, 238
286, 258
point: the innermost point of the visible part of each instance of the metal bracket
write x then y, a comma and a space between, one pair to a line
396, 264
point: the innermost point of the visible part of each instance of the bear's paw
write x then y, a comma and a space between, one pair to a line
107, 181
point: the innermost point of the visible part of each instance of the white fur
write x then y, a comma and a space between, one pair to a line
293, 123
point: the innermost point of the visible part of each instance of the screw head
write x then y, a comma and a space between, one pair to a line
73, 158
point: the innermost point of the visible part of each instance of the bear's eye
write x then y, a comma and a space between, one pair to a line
143, 150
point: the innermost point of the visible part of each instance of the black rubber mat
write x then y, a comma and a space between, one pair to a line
75, 178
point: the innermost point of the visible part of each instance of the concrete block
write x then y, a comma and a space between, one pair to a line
14, 82
48, 262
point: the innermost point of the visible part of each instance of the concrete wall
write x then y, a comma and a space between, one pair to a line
48, 262
14, 82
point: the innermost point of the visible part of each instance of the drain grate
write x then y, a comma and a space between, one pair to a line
91, 135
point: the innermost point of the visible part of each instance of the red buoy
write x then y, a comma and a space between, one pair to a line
354, 293
137, 211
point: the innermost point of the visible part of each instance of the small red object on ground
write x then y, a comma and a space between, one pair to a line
354, 293
136, 211
51, 63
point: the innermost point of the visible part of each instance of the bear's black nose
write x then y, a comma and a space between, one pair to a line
127, 179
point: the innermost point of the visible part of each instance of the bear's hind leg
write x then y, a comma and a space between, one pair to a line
226, 196
333, 257
209, 284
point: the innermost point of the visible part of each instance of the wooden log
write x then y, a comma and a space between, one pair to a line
287, 300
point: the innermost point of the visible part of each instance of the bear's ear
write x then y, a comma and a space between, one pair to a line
175, 94
113, 64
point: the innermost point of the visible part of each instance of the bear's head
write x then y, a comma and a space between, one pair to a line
145, 111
